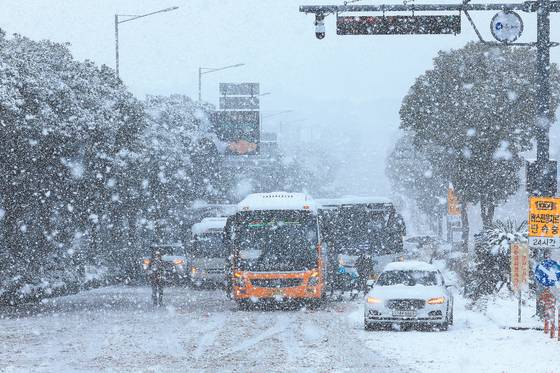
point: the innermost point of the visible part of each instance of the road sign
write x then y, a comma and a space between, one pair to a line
239, 103
398, 25
544, 222
519, 264
506, 26
547, 273
240, 129
239, 89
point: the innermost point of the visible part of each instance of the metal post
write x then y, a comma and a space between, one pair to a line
519, 305
117, 45
543, 84
543, 109
200, 84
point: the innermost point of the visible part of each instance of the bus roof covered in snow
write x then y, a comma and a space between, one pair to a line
277, 201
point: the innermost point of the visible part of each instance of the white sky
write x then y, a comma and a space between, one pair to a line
348, 88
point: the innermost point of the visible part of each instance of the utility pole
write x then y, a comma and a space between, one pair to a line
543, 83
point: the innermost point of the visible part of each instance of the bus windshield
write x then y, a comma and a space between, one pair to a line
269, 243
209, 245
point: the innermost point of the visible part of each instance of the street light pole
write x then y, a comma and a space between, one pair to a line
208, 70
117, 44
200, 84
131, 17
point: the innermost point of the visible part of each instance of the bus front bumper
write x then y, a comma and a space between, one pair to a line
279, 294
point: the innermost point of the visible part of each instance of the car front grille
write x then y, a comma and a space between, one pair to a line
215, 270
405, 304
276, 282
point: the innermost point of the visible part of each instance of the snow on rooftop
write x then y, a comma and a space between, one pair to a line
410, 265
277, 201
207, 224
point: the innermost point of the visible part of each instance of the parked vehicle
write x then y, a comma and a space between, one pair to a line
409, 292
208, 252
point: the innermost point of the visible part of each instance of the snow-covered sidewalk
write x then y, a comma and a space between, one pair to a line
476, 343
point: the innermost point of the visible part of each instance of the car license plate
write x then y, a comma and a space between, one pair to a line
404, 313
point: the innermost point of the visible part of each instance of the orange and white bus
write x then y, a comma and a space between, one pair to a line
276, 251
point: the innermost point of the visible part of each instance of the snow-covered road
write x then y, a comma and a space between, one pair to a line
116, 329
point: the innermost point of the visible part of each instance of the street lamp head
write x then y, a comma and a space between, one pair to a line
170, 9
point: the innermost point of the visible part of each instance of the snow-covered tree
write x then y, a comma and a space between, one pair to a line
472, 115
490, 270
66, 128
412, 176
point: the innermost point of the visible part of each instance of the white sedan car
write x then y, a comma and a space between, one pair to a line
409, 292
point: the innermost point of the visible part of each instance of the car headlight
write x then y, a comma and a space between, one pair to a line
374, 300
438, 300
194, 270
179, 262
147, 262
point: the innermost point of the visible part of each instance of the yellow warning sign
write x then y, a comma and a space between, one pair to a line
544, 217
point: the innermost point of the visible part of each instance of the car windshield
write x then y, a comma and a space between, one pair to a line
278, 244
210, 245
408, 278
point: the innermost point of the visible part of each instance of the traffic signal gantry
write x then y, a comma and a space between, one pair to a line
506, 27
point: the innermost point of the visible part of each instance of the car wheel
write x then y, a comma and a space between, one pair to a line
450, 317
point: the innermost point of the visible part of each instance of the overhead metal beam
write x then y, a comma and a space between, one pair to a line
528, 6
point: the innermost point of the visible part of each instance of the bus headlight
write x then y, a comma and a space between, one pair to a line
238, 280
314, 278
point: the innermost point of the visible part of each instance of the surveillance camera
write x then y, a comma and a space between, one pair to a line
319, 26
